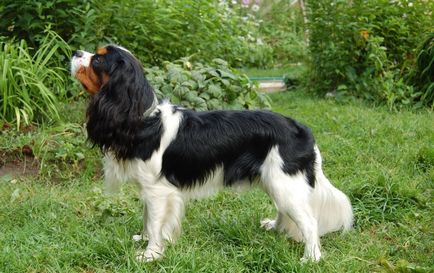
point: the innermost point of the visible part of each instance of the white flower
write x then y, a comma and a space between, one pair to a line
255, 7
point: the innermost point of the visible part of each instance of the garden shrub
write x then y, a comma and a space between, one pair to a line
34, 70
32, 84
155, 31
422, 76
283, 29
204, 87
27, 19
365, 48
171, 29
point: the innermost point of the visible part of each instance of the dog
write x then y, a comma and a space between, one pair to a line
175, 154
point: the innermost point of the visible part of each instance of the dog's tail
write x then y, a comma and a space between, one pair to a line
331, 207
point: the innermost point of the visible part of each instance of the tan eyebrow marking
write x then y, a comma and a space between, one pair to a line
101, 51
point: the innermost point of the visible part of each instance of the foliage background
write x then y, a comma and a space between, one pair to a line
32, 82
282, 27
205, 86
366, 48
378, 51
156, 31
58, 220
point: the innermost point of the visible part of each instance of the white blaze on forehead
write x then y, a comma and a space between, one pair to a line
78, 62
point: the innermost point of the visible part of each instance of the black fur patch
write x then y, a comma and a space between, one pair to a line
239, 141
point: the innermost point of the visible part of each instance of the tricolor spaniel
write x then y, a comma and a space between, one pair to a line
175, 154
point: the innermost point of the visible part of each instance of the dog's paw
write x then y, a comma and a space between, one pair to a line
268, 224
148, 255
139, 237
305, 260
311, 254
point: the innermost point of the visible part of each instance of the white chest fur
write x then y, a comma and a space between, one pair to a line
145, 173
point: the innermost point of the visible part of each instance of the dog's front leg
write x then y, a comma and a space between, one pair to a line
144, 235
155, 214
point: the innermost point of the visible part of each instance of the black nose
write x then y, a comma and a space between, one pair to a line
78, 54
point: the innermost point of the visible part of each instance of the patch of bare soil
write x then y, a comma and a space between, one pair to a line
19, 163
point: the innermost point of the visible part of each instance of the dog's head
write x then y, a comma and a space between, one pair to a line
121, 97
108, 66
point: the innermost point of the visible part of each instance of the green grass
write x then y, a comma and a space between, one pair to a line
272, 72
61, 222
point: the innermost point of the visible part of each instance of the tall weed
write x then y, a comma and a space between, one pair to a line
31, 84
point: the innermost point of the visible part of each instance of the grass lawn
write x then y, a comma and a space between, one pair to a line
60, 221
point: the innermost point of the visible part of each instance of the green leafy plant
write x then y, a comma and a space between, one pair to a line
27, 19
201, 86
422, 76
166, 30
30, 85
155, 31
106, 206
282, 27
366, 48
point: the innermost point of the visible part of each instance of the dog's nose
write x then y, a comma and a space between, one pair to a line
78, 54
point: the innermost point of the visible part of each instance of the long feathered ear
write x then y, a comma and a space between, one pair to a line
127, 87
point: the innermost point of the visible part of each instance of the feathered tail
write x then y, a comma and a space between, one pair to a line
331, 207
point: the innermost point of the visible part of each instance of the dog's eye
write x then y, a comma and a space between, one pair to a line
97, 60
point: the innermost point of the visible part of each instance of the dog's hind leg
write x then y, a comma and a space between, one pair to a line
294, 204
284, 224
291, 194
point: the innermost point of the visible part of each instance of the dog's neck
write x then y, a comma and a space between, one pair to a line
151, 108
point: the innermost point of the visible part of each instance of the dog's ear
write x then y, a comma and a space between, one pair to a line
127, 87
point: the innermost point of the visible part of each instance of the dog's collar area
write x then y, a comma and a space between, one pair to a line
151, 109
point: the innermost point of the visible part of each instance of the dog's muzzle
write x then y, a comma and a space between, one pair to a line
79, 59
